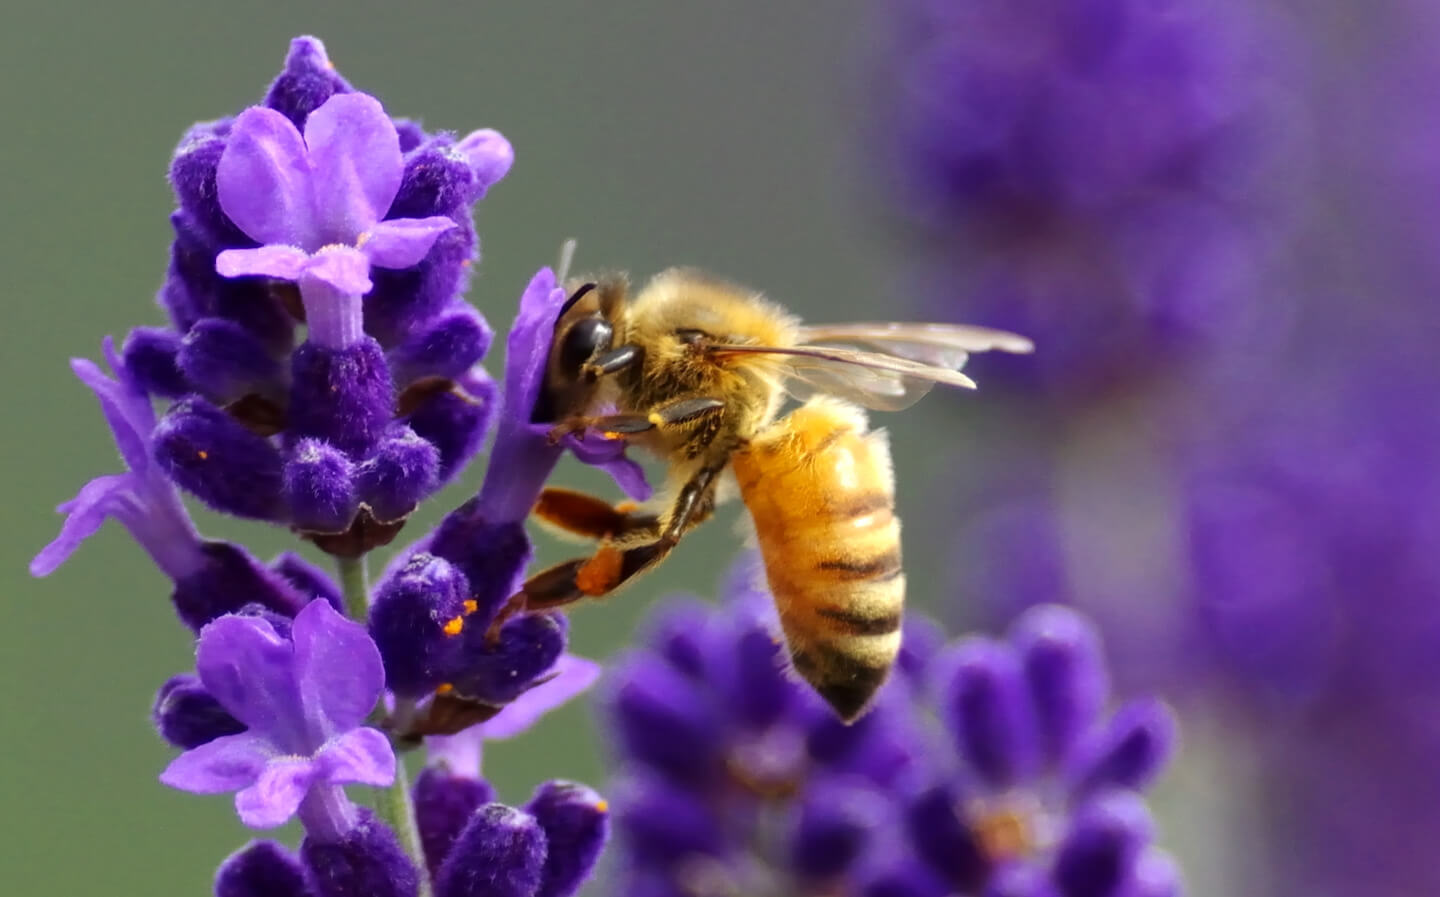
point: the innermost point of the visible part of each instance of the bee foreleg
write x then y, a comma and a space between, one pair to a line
670, 414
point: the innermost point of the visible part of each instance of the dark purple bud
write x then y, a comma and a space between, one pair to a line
835, 823
187, 716
664, 722
416, 623
988, 709
677, 634
455, 421
194, 290
192, 175
367, 860
261, 869
901, 879
492, 556
446, 346
663, 824
501, 853
438, 181
498, 674
229, 580
1098, 856
940, 836
1060, 652
342, 396
213, 456
224, 361
403, 299
410, 133
1131, 750
444, 804
149, 355
403, 470
307, 81
309, 580
754, 684
320, 487
576, 822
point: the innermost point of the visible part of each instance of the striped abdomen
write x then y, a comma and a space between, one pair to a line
821, 492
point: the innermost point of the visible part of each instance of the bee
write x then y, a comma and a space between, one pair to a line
697, 370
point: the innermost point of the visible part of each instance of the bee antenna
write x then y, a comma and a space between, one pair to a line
567, 255
580, 293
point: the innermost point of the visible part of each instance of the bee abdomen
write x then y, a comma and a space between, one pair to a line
820, 490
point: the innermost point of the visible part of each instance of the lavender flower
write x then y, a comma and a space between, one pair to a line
316, 203
740, 781
302, 701
317, 208
1098, 177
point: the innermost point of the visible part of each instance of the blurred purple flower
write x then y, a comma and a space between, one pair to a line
302, 700
1098, 176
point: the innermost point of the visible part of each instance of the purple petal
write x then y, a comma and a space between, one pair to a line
247, 666
127, 410
402, 242
572, 676
490, 156
360, 756
276, 795
609, 456
341, 267
87, 511
528, 345
265, 180
228, 763
355, 157
337, 668
276, 260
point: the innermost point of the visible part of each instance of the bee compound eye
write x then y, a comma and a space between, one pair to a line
582, 342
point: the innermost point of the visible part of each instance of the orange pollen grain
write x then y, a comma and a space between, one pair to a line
453, 626
625, 507
203, 454
362, 239
599, 574
602, 806
471, 606
1006, 835
444, 688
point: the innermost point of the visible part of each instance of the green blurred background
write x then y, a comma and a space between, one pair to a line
724, 135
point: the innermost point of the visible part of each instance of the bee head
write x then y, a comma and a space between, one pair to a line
584, 331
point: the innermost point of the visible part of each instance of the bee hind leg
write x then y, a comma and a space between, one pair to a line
612, 566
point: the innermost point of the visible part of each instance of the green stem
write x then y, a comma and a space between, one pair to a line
392, 804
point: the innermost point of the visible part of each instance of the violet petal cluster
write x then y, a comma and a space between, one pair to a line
737, 779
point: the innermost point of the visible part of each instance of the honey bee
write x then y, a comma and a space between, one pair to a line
696, 370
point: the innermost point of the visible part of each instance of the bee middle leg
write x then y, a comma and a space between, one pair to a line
592, 517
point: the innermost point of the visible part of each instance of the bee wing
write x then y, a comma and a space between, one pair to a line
872, 379
942, 345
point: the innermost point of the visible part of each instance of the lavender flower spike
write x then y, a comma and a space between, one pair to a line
303, 701
316, 203
142, 499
